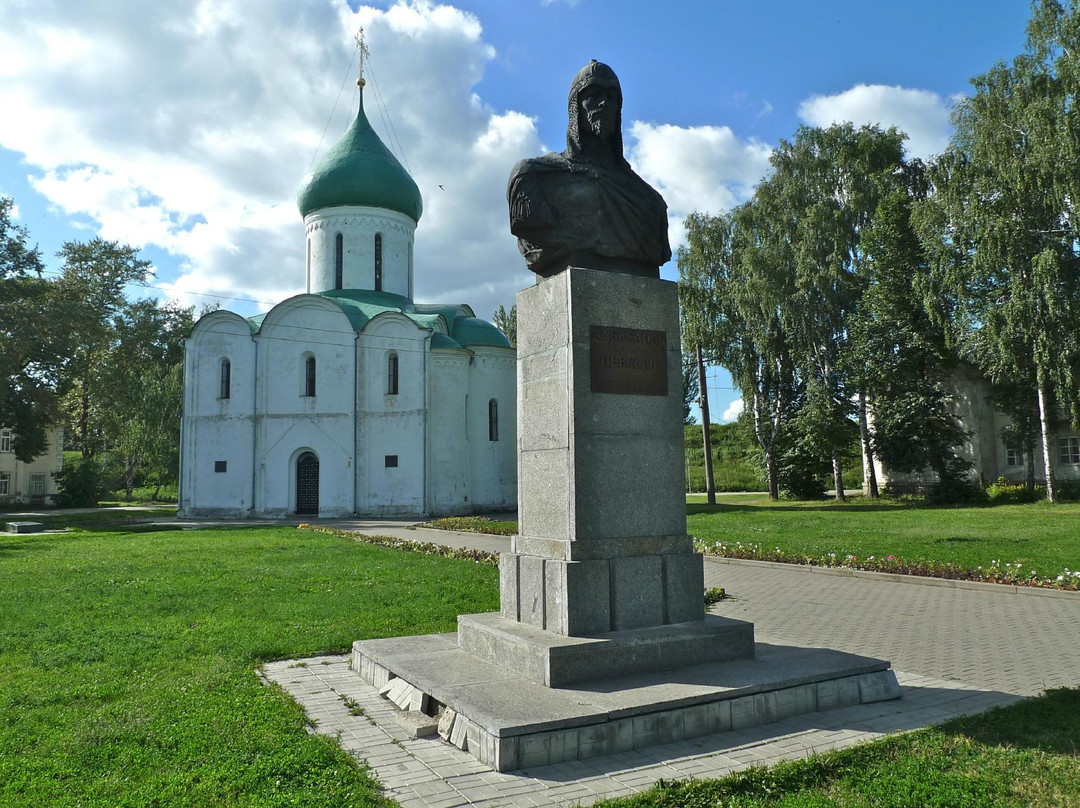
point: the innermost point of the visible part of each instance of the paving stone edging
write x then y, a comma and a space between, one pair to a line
919, 580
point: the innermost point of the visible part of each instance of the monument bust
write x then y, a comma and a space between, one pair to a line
586, 207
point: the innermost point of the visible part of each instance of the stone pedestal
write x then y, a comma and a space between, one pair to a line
603, 550
602, 643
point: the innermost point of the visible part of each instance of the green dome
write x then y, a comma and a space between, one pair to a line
360, 170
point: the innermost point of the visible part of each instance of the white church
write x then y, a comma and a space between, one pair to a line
350, 399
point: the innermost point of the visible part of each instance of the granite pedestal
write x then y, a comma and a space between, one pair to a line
602, 582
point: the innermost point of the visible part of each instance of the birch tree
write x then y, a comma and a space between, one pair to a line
732, 291
1002, 224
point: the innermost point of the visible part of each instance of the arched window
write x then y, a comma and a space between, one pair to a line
309, 376
226, 378
378, 262
392, 375
339, 260
410, 270
493, 420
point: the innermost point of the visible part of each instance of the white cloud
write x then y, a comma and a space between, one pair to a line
700, 168
733, 411
922, 114
188, 126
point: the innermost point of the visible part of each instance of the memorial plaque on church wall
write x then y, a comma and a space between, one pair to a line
630, 361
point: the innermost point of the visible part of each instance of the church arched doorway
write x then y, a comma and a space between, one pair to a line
307, 483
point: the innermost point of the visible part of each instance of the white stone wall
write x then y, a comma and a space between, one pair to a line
20, 475
218, 430
391, 425
448, 433
492, 464
435, 427
288, 421
358, 226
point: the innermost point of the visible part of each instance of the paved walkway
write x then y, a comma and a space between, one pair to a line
956, 650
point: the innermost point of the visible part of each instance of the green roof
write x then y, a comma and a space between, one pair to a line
474, 331
440, 340
363, 305
360, 170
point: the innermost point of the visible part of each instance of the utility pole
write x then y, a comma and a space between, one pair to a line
710, 484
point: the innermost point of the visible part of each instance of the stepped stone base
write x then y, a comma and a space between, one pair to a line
509, 722
556, 660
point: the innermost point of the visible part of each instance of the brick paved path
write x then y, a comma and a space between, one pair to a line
956, 650
984, 635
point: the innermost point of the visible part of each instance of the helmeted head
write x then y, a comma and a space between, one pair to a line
597, 86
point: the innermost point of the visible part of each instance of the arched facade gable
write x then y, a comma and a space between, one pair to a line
289, 320
393, 323
220, 322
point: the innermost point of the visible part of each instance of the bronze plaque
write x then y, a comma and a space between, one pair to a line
630, 361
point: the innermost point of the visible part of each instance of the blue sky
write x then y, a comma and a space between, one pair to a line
185, 127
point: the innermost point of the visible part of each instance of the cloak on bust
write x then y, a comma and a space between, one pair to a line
586, 207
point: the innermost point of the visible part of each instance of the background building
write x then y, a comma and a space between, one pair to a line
30, 483
986, 447
350, 398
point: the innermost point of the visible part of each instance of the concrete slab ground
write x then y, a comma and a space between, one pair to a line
956, 650
431, 772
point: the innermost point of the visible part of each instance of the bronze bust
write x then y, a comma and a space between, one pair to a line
586, 207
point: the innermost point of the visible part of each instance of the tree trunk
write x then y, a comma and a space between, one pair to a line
129, 480
710, 483
869, 474
1045, 417
770, 471
838, 476
84, 424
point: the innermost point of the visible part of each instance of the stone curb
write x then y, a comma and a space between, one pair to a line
920, 580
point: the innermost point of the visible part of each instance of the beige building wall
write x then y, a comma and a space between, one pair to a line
985, 448
30, 483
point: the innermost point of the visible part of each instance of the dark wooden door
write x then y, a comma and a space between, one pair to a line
307, 483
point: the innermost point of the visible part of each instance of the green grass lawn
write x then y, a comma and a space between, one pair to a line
1024, 755
127, 677
127, 659
1042, 537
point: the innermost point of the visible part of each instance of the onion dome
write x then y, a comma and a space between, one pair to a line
360, 170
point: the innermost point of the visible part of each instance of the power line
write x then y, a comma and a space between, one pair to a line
388, 122
348, 70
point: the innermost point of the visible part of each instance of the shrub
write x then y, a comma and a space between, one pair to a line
1003, 492
1067, 490
80, 484
952, 491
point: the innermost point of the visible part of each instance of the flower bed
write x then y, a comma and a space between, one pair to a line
995, 572
424, 547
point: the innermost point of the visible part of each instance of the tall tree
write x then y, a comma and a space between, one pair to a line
732, 289
900, 349
506, 321
141, 394
1002, 226
30, 354
91, 290
823, 192
691, 386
